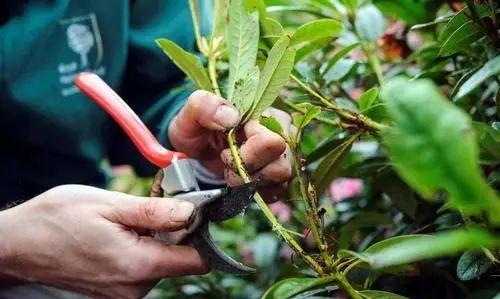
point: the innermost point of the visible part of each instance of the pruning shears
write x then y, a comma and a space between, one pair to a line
178, 180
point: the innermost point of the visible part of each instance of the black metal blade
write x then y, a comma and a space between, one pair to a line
214, 256
231, 204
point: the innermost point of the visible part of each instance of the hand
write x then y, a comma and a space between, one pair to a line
89, 240
198, 132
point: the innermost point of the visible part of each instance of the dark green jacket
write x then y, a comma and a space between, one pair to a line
51, 134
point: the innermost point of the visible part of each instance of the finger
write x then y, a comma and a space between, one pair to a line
159, 214
271, 192
204, 111
277, 172
262, 147
160, 261
231, 177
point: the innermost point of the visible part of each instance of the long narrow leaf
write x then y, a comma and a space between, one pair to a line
243, 39
245, 90
491, 68
276, 71
190, 64
330, 165
408, 250
315, 30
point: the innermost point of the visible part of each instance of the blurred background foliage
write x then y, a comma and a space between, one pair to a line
367, 200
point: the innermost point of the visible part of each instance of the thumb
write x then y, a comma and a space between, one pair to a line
160, 214
203, 112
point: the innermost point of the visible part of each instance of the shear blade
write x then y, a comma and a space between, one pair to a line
234, 202
214, 256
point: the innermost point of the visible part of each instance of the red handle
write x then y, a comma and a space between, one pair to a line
94, 87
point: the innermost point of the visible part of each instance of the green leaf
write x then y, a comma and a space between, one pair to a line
220, 12
438, 20
317, 29
190, 64
368, 98
294, 9
433, 146
274, 75
460, 39
245, 90
307, 49
489, 141
350, 3
458, 20
242, 41
472, 264
400, 194
370, 23
300, 120
330, 165
271, 29
323, 148
490, 69
271, 123
293, 286
339, 70
409, 250
460, 32
387, 243
407, 269
339, 55
256, 5
410, 11
397, 270
371, 294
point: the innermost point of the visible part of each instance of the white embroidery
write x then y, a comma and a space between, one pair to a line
80, 40
84, 39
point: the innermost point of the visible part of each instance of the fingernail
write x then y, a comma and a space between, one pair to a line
226, 116
182, 211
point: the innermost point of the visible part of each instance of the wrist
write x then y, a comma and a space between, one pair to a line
7, 250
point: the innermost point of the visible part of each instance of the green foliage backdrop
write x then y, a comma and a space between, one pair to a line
396, 150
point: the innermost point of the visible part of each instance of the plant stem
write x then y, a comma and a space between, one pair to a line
312, 92
347, 286
348, 268
333, 122
212, 72
374, 62
195, 15
311, 210
238, 163
359, 120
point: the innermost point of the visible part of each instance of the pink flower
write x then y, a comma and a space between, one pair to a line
247, 255
281, 210
343, 188
356, 92
357, 54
